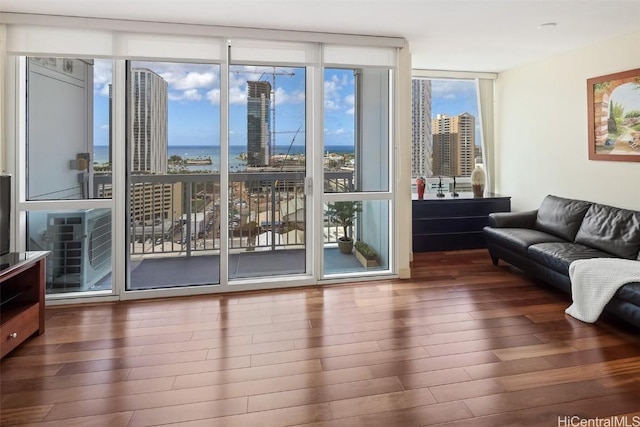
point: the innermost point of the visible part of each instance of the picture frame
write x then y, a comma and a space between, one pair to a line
613, 103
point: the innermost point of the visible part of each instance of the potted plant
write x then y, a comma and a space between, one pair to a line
343, 214
367, 256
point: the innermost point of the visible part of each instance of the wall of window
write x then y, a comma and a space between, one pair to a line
90, 56
451, 119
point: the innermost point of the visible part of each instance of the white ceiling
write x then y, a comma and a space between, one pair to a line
463, 35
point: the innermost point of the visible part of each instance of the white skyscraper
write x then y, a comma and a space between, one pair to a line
421, 140
148, 114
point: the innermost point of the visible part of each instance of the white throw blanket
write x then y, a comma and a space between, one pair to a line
594, 281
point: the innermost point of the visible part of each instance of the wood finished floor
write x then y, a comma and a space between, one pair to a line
463, 343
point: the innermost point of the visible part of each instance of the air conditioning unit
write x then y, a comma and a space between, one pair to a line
80, 245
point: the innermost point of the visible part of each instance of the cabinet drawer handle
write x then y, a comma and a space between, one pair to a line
13, 335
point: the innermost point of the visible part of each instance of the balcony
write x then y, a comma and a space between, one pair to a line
174, 234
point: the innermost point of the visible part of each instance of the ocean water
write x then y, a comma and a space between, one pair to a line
101, 154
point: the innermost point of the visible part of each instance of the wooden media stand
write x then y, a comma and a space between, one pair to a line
22, 282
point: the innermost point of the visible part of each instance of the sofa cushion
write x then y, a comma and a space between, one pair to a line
630, 293
561, 217
612, 230
518, 239
559, 255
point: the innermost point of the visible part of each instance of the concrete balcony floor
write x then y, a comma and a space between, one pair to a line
181, 270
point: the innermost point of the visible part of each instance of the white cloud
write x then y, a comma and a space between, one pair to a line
185, 77
282, 97
187, 95
334, 100
104, 91
351, 111
331, 105
237, 95
451, 89
102, 76
338, 131
213, 96
349, 99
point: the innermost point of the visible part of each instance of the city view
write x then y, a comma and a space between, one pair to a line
445, 133
174, 163
267, 200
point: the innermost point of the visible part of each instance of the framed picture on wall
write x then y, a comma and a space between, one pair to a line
613, 103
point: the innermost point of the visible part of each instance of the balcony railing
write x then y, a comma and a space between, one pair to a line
180, 213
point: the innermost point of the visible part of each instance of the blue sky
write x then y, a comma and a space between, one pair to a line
453, 97
194, 102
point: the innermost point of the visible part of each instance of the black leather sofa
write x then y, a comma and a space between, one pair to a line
545, 241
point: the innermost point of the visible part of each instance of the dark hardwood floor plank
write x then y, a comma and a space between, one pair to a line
339, 350
275, 418
418, 416
325, 393
381, 403
118, 419
511, 367
425, 364
611, 407
86, 392
225, 376
373, 358
171, 414
536, 397
62, 381
24, 414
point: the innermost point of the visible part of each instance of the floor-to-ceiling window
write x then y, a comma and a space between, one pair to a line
267, 170
448, 131
67, 108
357, 174
173, 164
200, 163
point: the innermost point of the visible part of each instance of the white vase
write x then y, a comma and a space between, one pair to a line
478, 179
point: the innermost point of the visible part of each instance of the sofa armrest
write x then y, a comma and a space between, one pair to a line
525, 219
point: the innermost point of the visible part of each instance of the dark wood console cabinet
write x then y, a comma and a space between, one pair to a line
453, 223
22, 282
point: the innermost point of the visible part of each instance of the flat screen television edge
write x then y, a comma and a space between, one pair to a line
5, 214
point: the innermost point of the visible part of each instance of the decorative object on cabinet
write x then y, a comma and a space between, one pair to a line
440, 193
454, 193
478, 178
420, 185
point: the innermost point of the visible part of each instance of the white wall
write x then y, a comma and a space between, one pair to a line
541, 130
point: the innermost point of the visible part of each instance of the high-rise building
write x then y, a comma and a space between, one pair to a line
421, 152
258, 123
453, 145
148, 114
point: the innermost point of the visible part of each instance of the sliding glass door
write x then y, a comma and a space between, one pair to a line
357, 189
267, 170
173, 171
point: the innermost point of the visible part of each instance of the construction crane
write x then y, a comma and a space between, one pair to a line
273, 74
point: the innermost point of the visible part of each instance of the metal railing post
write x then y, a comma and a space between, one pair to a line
273, 215
188, 198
